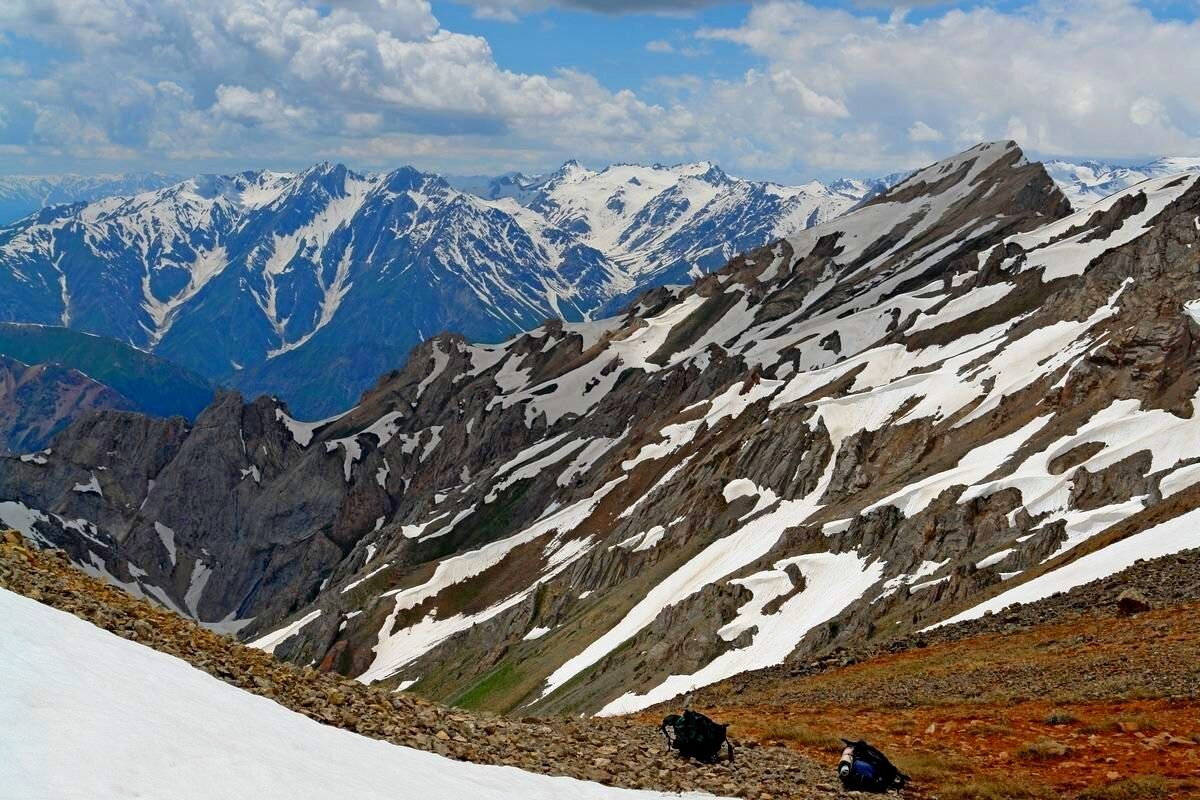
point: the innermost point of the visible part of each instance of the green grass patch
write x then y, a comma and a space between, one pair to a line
1124, 722
995, 789
490, 690
925, 766
806, 735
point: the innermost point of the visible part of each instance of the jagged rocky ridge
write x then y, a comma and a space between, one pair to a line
310, 285
958, 395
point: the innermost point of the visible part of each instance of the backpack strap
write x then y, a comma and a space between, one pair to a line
729, 745
668, 723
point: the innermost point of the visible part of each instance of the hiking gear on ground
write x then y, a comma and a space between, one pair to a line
863, 768
696, 736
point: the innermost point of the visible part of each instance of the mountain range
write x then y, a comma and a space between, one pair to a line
960, 395
22, 195
310, 285
1086, 182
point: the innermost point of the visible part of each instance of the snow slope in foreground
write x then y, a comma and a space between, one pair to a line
90, 716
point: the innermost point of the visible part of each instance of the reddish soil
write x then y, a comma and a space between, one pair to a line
1097, 707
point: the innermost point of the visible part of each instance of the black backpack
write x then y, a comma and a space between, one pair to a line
696, 736
863, 768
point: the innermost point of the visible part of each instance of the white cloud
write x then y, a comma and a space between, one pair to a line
1096, 76
381, 82
239, 104
1146, 111
148, 78
508, 10
920, 132
798, 95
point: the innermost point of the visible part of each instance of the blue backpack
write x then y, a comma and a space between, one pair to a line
863, 768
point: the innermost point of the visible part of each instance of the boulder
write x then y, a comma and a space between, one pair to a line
1131, 602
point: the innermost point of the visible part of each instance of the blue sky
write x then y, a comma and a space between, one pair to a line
779, 89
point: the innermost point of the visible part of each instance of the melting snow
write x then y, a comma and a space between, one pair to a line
303, 432
394, 650
21, 518
994, 558
167, 537
719, 559
833, 582
36, 458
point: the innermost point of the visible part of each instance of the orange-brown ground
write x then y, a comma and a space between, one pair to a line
1096, 707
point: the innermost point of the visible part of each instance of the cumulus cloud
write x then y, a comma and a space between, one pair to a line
1095, 76
151, 76
920, 132
381, 82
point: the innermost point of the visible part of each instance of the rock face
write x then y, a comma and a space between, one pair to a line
310, 285
955, 397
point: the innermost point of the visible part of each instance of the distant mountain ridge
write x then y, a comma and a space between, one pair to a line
517, 185
309, 285
1086, 183
22, 195
38, 401
668, 224
154, 385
